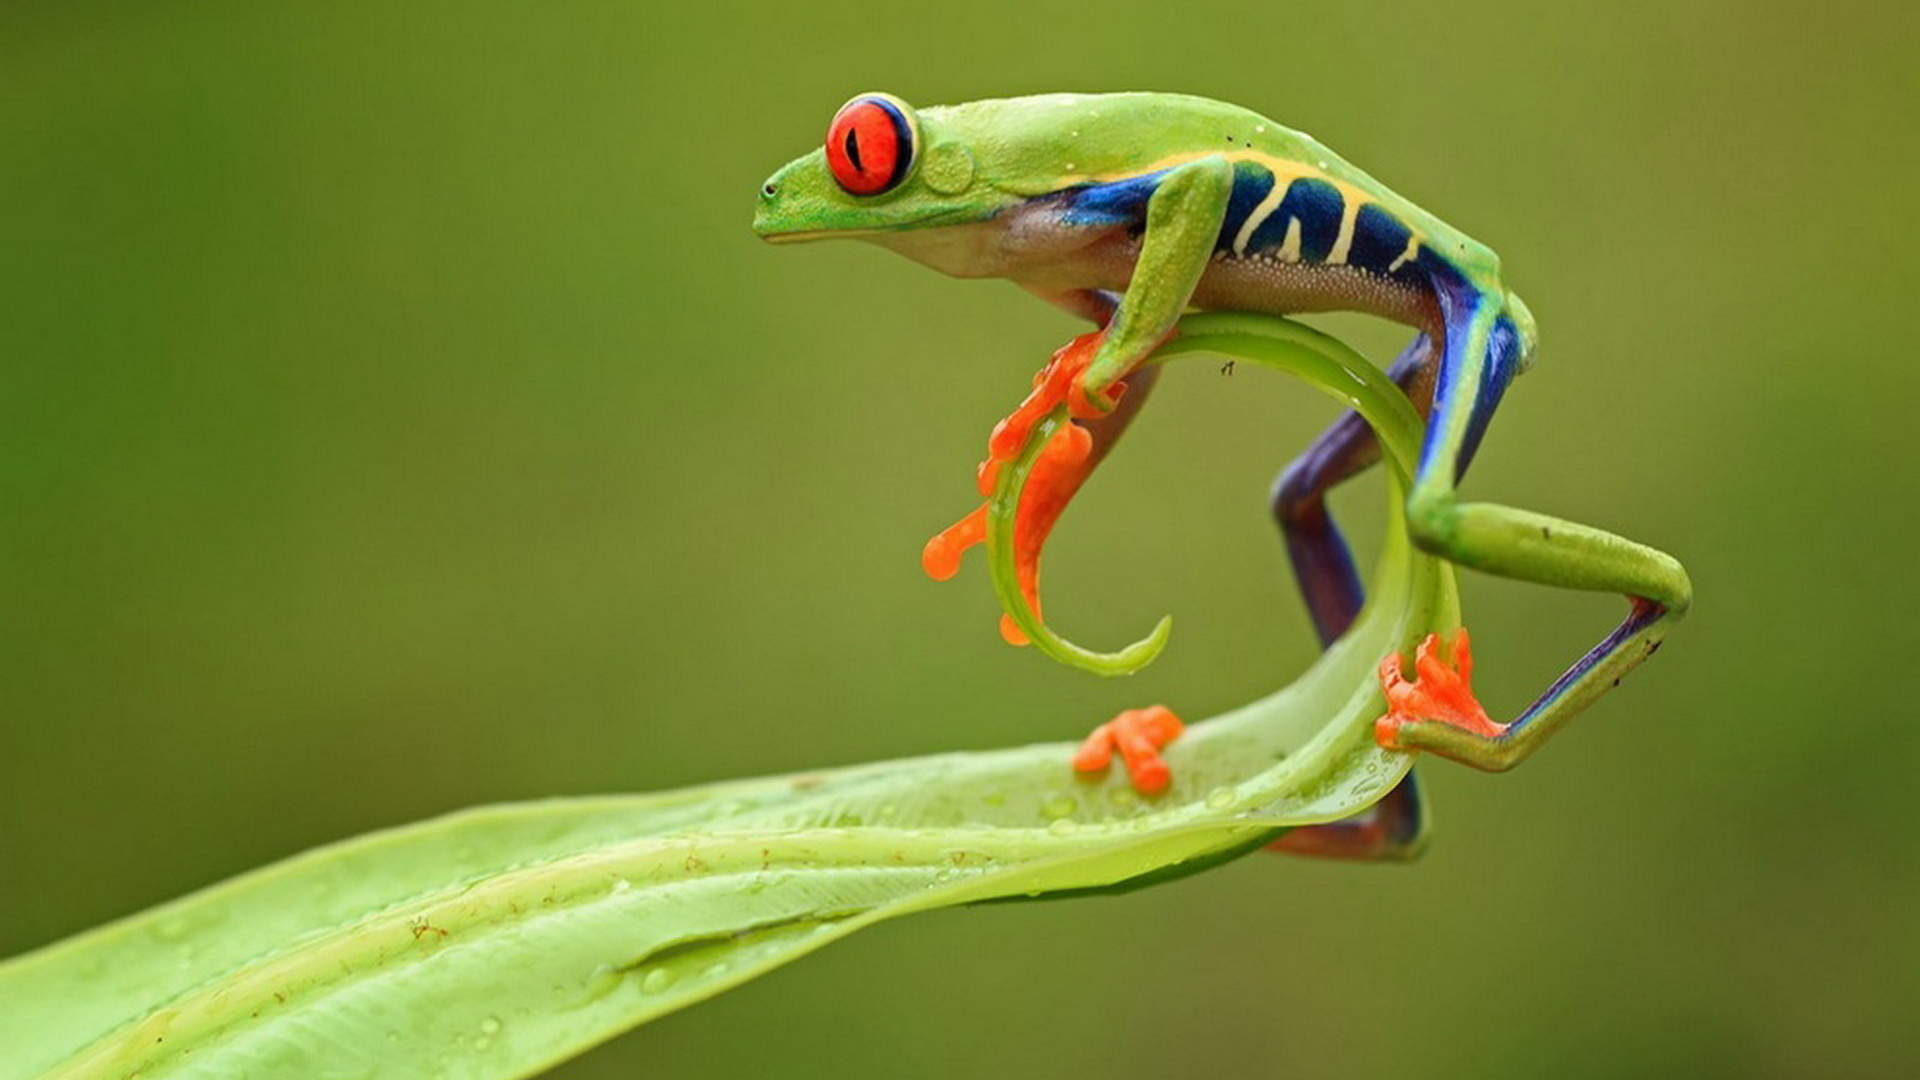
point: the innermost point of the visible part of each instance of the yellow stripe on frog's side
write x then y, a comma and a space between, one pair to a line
1289, 249
1267, 206
1407, 256
1343, 243
1284, 172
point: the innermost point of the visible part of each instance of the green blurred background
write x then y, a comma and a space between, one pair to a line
396, 415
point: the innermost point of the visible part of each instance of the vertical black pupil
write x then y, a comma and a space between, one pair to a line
853, 151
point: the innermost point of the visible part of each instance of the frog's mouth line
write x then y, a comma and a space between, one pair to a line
773, 234
804, 235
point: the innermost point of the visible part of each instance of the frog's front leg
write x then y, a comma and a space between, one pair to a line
1483, 350
1183, 218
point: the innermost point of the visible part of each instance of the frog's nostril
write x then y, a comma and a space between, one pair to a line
769, 190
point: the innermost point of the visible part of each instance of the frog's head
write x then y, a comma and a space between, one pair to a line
884, 169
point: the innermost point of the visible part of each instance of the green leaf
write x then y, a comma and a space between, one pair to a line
494, 943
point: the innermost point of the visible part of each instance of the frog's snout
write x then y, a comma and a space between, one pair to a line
768, 205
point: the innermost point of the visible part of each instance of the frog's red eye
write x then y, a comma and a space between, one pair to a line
869, 146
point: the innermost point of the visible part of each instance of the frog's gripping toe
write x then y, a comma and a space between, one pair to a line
1440, 693
1139, 735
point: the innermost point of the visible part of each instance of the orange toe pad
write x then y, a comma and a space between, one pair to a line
1439, 693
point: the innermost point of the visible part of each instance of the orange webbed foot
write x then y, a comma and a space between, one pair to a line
1056, 384
1064, 464
1439, 693
1139, 735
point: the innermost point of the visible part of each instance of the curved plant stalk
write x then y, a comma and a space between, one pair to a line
496, 942
1276, 343
1002, 567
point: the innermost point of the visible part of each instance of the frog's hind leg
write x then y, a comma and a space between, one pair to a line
1322, 564
1484, 348
1395, 828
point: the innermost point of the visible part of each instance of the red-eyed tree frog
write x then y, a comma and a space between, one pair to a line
1130, 209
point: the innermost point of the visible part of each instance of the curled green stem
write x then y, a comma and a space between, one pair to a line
1008, 489
1278, 344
